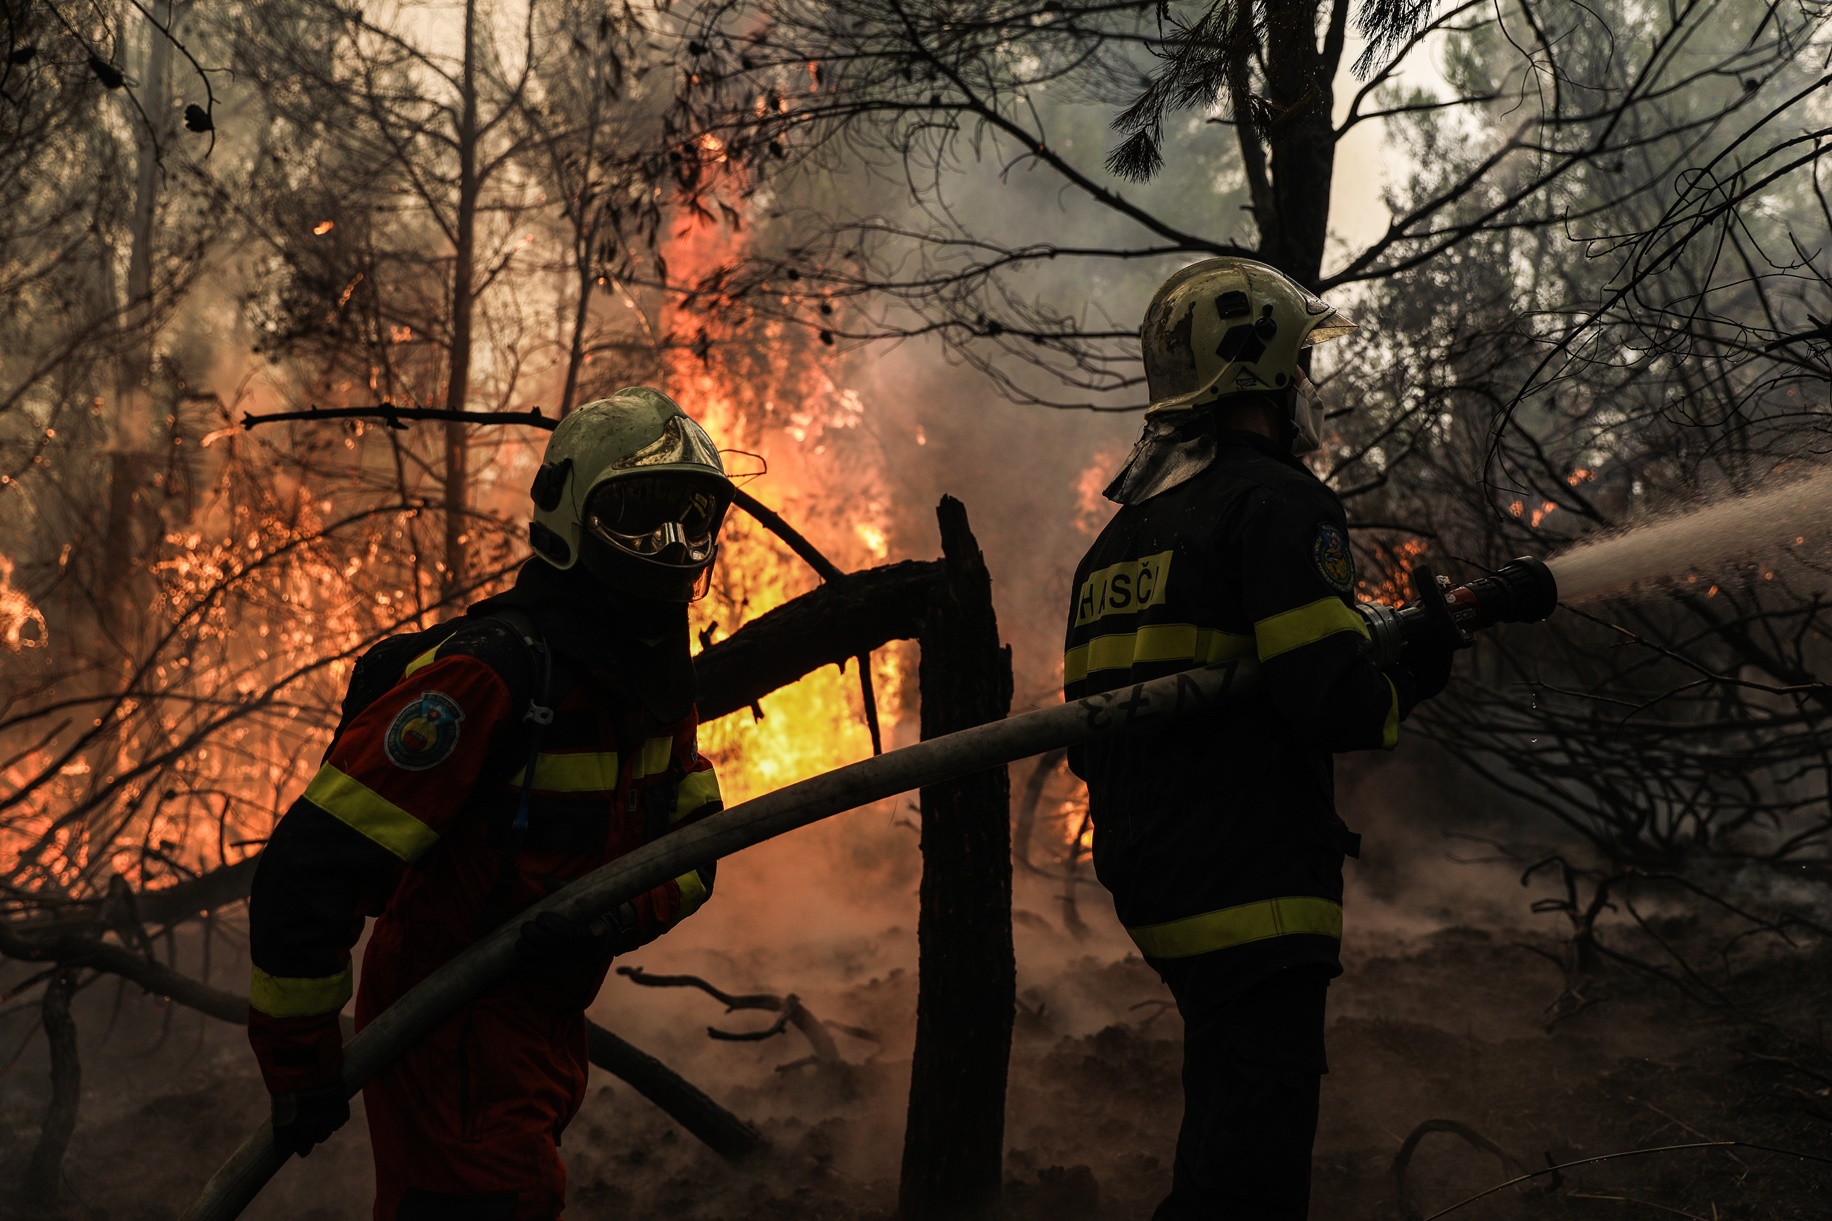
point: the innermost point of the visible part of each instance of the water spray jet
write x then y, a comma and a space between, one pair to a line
1769, 527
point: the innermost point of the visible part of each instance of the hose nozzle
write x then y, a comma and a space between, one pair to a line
1520, 591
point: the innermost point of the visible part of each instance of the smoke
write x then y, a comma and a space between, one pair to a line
1781, 527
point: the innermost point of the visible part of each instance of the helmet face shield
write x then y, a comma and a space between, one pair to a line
663, 518
632, 489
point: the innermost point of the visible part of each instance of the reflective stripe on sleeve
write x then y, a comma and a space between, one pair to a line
655, 757
421, 662
693, 893
283, 997
1293, 629
583, 771
1389, 731
697, 791
1158, 642
355, 804
1231, 926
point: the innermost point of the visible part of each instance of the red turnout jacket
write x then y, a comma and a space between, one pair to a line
408, 821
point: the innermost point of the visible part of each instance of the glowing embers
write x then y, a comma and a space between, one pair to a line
22, 624
1392, 572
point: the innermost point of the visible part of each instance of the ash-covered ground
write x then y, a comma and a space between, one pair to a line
1442, 1015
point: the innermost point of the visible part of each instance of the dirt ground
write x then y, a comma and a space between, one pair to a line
1442, 1015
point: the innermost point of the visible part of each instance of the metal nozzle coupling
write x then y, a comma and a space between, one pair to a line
1520, 591
1385, 631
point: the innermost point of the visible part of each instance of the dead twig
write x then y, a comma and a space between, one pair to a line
788, 1008
1158, 1006
1610, 1157
1403, 1159
44, 1176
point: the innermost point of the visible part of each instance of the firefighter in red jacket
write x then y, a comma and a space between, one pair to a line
548, 731
1218, 834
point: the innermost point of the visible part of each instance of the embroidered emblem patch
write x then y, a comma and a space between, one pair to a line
424, 733
1331, 553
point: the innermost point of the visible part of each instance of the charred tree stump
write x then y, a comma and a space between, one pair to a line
967, 976
44, 1176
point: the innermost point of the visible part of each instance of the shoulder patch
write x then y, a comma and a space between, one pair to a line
1334, 561
425, 733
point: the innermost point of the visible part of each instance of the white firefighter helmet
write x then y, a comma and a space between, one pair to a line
1231, 326
632, 490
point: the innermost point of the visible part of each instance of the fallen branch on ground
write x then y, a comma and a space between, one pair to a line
728, 1135
1403, 1159
1610, 1157
790, 1011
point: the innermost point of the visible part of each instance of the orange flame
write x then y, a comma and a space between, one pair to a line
759, 388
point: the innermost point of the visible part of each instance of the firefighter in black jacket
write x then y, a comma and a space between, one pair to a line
1218, 835
490, 761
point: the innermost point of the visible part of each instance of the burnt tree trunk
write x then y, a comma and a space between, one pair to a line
44, 1176
967, 977
1288, 154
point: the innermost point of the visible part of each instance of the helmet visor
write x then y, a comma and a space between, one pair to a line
666, 518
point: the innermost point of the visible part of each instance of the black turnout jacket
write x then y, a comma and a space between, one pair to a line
1218, 833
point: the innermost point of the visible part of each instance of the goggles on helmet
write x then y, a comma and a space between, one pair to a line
666, 519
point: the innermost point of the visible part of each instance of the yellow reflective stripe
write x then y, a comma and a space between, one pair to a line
282, 997
1389, 732
1293, 629
583, 771
1231, 926
655, 756
698, 790
693, 893
1158, 642
354, 803
421, 662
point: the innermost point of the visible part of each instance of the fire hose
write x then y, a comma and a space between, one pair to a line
1521, 591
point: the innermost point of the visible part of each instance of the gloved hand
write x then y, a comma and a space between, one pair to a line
554, 945
1422, 672
307, 1118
